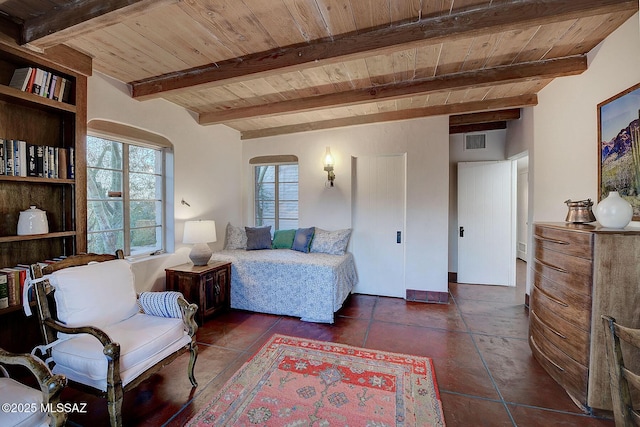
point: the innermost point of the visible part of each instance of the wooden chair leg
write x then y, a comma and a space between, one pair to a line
192, 363
115, 407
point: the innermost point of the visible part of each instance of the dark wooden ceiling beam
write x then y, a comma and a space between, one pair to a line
477, 127
437, 110
433, 30
74, 18
484, 117
473, 79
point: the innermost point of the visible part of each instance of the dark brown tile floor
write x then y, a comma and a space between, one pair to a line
478, 342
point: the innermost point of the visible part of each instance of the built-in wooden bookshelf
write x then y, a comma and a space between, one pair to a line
44, 122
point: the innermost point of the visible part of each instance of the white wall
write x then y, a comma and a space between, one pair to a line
207, 165
565, 123
426, 143
560, 134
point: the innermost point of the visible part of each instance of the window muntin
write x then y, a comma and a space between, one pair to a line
276, 196
125, 189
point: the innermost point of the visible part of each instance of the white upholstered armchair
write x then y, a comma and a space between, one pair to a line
99, 336
23, 405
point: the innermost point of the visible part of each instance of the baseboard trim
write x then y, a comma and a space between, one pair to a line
453, 277
427, 296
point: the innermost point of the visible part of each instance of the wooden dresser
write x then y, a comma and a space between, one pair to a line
580, 272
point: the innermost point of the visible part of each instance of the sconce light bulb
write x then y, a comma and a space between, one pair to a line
328, 159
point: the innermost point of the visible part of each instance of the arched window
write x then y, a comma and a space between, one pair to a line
276, 191
126, 189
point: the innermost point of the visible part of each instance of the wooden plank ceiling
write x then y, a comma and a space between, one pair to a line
269, 67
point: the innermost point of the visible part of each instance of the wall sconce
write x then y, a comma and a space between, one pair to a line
328, 166
199, 233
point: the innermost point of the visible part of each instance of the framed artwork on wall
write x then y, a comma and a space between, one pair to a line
619, 147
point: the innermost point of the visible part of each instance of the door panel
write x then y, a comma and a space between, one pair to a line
378, 224
485, 223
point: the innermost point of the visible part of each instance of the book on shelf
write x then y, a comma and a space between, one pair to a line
4, 290
72, 163
16, 157
21, 158
37, 81
32, 78
22, 153
41, 82
13, 285
8, 154
63, 164
20, 78
2, 160
56, 90
31, 160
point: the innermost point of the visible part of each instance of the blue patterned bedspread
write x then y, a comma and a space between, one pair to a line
311, 286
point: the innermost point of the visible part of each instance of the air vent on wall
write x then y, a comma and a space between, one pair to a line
475, 142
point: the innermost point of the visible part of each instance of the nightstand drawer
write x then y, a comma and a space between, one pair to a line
566, 336
570, 243
571, 375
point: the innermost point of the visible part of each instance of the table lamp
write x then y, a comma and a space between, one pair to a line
199, 233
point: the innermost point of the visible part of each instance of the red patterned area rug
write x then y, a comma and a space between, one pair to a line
299, 382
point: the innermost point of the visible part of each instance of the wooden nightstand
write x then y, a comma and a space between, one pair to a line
206, 285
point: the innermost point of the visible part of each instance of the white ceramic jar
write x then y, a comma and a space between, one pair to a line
614, 211
32, 221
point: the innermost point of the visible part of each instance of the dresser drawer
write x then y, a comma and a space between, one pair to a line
573, 305
567, 271
571, 375
568, 242
569, 338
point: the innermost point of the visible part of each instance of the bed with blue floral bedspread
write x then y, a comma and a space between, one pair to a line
312, 286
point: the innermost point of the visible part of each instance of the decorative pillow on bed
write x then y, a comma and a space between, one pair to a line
331, 242
258, 237
236, 238
283, 239
302, 239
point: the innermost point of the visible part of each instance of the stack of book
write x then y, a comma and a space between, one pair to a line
40, 82
20, 158
12, 282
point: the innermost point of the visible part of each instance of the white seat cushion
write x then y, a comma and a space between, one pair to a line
13, 392
144, 340
98, 294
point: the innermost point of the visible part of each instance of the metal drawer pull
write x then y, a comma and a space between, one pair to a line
551, 266
557, 301
545, 356
546, 325
558, 242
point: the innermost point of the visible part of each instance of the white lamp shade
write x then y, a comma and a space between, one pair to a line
199, 232
328, 159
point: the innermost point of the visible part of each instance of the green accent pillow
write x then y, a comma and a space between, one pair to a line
283, 239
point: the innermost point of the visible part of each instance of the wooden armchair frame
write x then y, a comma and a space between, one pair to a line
622, 379
50, 385
49, 328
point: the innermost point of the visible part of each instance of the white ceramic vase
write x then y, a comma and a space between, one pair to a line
614, 211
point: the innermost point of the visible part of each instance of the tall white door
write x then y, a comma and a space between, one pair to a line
486, 250
377, 241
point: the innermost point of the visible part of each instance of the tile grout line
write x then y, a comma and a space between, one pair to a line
366, 334
484, 362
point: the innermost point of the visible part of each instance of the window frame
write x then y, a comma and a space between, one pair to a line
140, 138
276, 161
